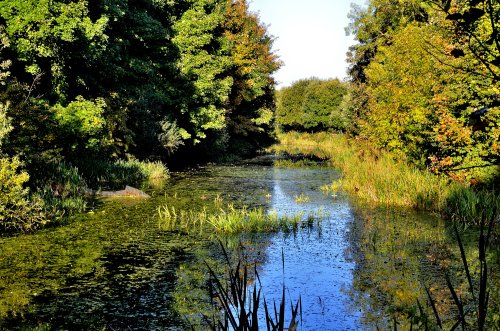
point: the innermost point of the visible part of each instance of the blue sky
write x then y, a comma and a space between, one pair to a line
310, 34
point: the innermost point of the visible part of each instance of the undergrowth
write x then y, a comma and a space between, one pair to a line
65, 190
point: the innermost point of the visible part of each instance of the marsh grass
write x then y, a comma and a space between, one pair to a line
231, 220
294, 164
117, 174
240, 303
301, 198
376, 177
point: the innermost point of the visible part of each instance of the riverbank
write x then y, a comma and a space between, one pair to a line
62, 189
376, 178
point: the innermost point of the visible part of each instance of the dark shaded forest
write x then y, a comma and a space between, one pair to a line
87, 84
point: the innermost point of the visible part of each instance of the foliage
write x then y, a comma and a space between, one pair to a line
197, 32
170, 137
321, 106
289, 105
82, 126
250, 120
17, 212
429, 73
143, 80
312, 105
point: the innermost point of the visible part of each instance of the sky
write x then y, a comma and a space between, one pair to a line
310, 36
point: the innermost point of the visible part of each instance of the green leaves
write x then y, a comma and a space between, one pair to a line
82, 124
312, 105
424, 82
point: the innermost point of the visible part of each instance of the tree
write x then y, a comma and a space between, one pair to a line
204, 61
289, 105
312, 105
320, 108
251, 100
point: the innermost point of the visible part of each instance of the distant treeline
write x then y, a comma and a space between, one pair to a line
312, 105
82, 81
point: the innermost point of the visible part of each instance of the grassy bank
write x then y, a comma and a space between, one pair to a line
389, 235
375, 177
64, 189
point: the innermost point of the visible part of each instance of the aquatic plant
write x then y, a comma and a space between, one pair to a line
473, 302
227, 220
334, 187
218, 200
302, 198
301, 163
240, 303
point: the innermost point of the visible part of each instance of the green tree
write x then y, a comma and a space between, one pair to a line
251, 100
320, 108
204, 61
289, 104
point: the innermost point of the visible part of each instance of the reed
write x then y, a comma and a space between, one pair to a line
473, 303
240, 303
229, 220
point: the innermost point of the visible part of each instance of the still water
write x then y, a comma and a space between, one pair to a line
115, 269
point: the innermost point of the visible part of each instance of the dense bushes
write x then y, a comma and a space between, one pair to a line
312, 105
129, 80
429, 76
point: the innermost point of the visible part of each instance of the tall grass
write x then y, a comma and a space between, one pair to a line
230, 220
117, 174
375, 177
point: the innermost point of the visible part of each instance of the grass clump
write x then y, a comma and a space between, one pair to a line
302, 163
228, 220
302, 198
117, 174
334, 187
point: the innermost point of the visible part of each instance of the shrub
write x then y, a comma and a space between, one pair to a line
17, 212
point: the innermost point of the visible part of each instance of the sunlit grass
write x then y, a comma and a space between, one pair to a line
334, 187
302, 198
375, 177
287, 163
231, 220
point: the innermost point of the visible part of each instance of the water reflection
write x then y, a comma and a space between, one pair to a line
316, 265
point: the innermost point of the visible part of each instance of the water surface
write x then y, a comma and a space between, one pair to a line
116, 269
